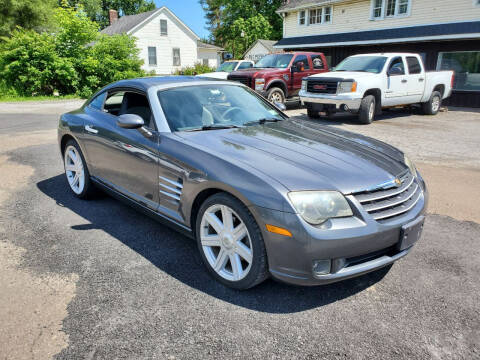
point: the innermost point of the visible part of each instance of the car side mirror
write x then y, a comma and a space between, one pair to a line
395, 71
130, 121
299, 67
280, 106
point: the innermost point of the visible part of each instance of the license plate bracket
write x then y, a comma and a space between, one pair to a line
410, 233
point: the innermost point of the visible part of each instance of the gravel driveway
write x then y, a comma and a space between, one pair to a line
97, 280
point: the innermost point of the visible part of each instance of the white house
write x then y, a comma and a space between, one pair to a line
165, 42
259, 49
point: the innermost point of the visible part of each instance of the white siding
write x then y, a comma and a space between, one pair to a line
256, 52
210, 54
178, 37
355, 16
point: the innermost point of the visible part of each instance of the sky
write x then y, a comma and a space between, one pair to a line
190, 12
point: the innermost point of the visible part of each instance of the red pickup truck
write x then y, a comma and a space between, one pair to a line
278, 77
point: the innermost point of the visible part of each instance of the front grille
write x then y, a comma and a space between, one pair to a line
243, 79
322, 86
385, 204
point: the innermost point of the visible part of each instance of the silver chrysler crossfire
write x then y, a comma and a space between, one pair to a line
263, 195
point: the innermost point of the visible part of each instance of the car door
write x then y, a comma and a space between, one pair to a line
416, 79
396, 86
124, 159
300, 69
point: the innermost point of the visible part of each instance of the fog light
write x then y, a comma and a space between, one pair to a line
321, 267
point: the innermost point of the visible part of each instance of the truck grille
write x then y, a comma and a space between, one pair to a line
385, 204
243, 79
322, 86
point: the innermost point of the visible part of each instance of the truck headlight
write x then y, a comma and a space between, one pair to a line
259, 84
410, 165
304, 85
346, 87
316, 207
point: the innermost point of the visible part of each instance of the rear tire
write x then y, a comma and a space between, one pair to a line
432, 106
366, 113
76, 171
276, 94
232, 248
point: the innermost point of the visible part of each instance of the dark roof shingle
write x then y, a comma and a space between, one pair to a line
127, 23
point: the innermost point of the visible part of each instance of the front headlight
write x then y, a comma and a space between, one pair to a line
259, 84
346, 87
304, 85
410, 165
316, 207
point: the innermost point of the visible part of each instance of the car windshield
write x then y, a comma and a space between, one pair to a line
207, 107
373, 64
227, 66
274, 61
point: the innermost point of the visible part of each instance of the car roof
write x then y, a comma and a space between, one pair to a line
148, 82
387, 54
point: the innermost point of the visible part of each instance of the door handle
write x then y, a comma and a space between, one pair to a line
404, 81
91, 129
421, 79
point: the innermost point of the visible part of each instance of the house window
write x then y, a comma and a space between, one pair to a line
301, 17
390, 8
320, 15
152, 55
476, 2
466, 65
205, 62
176, 57
163, 28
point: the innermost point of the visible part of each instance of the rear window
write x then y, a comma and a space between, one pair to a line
317, 62
413, 65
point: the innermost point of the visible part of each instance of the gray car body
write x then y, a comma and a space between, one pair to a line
169, 174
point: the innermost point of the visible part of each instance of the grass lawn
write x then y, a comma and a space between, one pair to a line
12, 98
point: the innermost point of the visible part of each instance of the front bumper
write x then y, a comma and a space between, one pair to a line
355, 246
351, 102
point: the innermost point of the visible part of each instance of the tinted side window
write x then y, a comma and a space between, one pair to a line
304, 60
125, 102
397, 63
413, 65
317, 62
245, 65
97, 101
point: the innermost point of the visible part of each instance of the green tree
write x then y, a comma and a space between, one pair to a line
28, 14
225, 17
97, 10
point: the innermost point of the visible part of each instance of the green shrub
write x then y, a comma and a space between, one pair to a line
196, 69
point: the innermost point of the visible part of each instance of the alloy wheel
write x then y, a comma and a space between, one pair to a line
371, 111
435, 103
74, 169
226, 242
276, 97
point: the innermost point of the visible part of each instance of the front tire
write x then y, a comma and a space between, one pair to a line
366, 113
276, 94
76, 171
231, 243
312, 114
432, 106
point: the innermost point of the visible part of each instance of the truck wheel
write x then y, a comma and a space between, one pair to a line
276, 94
366, 113
432, 106
312, 114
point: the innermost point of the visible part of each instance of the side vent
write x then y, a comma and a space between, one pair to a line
170, 188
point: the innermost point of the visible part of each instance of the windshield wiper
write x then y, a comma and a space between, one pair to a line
214, 127
262, 121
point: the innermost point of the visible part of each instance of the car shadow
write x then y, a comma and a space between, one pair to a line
352, 119
169, 251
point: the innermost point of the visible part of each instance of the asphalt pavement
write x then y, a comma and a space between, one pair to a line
97, 280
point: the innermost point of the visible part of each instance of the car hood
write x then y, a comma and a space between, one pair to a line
306, 156
258, 71
216, 75
345, 75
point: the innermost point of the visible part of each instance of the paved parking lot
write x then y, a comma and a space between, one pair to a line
97, 280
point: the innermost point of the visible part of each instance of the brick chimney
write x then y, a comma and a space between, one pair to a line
112, 15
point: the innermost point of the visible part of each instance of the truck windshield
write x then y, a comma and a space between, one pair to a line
373, 64
227, 66
274, 61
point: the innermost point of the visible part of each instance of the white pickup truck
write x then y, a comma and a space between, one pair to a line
364, 84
